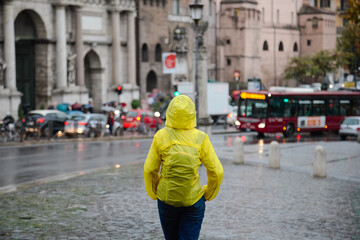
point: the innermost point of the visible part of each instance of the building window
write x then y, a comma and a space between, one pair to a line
315, 22
309, 42
228, 41
292, 18
265, 46
278, 16
163, 3
175, 7
281, 47
157, 3
151, 2
263, 15
145, 2
236, 12
210, 7
295, 48
228, 61
325, 3
144, 53
158, 52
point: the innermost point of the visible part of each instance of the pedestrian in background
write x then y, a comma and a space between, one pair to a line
111, 121
179, 149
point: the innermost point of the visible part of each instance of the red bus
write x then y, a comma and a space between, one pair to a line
289, 111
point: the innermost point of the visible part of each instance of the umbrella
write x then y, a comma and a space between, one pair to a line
76, 106
62, 107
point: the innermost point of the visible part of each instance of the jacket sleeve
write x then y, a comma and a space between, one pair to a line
214, 170
151, 170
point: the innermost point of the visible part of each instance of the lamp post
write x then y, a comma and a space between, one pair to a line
196, 14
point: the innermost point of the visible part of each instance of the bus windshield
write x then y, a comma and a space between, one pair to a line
253, 108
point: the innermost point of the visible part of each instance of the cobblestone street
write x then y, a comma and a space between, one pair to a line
254, 202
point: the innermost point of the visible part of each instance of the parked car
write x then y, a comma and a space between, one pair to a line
349, 127
40, 122
89, 124
135, 117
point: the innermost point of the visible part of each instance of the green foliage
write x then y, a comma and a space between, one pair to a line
349, 41
314, 67
353, 12
135, 103
298, 68
20, 111
156, 106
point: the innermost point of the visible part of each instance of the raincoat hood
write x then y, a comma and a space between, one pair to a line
181, 113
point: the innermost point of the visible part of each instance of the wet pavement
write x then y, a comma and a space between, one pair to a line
254, 202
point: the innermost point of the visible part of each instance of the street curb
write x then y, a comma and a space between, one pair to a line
102, 139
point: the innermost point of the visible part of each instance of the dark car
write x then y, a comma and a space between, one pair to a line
44, 122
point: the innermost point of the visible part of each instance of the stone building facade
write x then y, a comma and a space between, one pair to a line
166, 26
55, 51
66, 51
259, 37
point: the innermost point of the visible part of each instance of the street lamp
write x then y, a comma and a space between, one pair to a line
196, 14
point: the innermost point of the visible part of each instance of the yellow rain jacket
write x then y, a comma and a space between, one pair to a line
179, 149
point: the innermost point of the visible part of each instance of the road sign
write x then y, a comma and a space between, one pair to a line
169, 62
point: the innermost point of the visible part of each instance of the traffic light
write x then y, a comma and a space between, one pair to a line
118, 89
176, 92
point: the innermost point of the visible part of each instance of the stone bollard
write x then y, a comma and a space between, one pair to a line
319, 165
274, 161
238, 151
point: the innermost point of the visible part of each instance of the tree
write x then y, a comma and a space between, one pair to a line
298, 68
312, 68
349, 41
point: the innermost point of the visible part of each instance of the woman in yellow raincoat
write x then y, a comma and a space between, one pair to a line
179, 149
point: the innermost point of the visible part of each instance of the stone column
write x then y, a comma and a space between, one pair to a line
9, 45
117, 75
131, 49
61, 57
204, 121
79, 50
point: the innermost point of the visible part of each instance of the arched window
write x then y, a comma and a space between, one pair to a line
144, 53
281, 47
228, 61
158, 52
295, 48
151, 81
265, 46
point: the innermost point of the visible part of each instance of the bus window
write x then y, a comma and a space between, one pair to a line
253, 108
304, 108
276, 107
355, 107
290, 108
333, 107
318, 108
242, 108
345, 107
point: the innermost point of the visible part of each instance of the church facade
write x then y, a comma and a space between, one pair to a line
66, 51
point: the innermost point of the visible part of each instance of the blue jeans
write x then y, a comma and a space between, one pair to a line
180, 223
